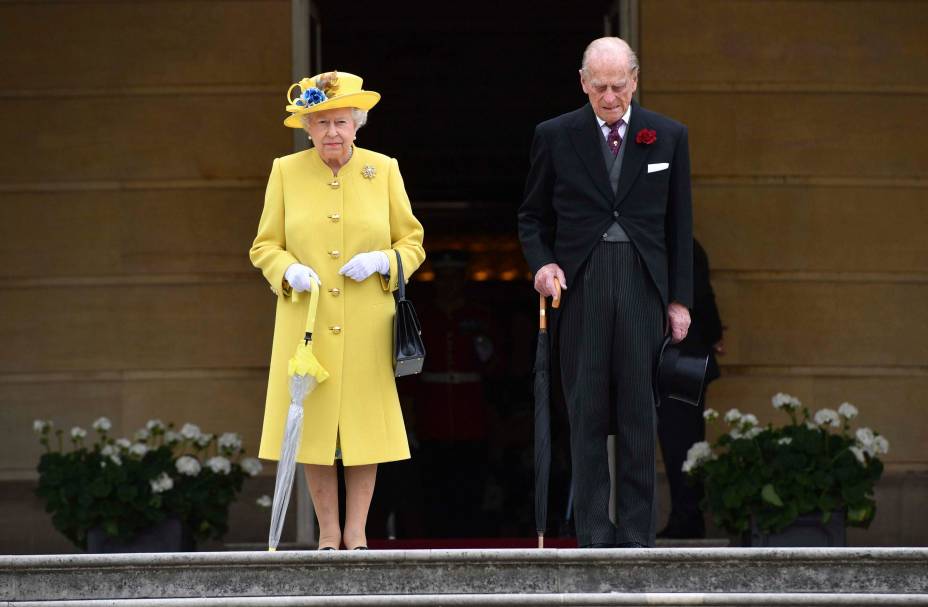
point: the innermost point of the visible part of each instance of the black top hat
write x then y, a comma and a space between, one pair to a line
679, 374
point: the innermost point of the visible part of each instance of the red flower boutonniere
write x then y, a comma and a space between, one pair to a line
646, 136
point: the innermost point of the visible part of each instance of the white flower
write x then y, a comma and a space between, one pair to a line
78, 433
753, 431
108, 450
190, 431
230, 441
114, 459
697, 454
811, 426
204, 440
219, 465
252, 466
139, 449
710, 414
785, 401
859, 454
162, 483
187, 465
880, 445
102, 424
264, 501
142, 434
827, 417
749, 420
785, 441
154, 424
847, 411
40, 426
732, 416
736, 434
865, 437
172, 438
123, 443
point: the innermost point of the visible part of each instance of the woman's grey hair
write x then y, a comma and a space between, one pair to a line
608, 46
358, 116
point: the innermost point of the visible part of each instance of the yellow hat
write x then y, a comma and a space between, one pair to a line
328, 91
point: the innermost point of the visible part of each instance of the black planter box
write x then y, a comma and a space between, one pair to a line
807, 531
170, 535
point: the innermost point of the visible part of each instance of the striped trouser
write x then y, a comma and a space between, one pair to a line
610, 335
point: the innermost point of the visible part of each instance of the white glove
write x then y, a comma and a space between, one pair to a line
363, 265
299, 276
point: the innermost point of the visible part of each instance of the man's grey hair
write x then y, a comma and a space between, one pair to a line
358, 116
609, 45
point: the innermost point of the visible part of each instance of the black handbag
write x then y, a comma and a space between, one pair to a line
408, 349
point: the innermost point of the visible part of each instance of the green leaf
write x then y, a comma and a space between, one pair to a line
859, 515
127, 493
99, 488
769, 494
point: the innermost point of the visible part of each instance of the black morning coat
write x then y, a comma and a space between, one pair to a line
569, 204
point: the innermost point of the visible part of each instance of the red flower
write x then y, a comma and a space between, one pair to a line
646, 136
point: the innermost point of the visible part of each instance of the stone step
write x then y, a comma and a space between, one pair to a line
612, 574
471, 544
513, 600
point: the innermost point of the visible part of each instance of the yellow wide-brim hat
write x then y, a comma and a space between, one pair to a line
327, 91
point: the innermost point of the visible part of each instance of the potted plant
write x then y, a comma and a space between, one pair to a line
163, 490
813, 473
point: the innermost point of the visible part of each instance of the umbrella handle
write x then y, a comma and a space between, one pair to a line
542, 306
313, 306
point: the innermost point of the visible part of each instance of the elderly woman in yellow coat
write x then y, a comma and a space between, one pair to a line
337, 214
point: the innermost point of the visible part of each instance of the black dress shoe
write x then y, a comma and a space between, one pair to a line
326, 548
630, 545
599, 545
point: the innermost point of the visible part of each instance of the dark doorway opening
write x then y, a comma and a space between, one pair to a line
463, 86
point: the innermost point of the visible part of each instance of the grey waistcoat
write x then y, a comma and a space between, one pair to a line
614, 167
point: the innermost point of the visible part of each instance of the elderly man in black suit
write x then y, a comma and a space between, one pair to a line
607, 213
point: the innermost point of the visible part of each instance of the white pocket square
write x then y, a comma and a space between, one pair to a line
658, 166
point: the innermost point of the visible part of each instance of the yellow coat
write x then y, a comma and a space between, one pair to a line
306, 220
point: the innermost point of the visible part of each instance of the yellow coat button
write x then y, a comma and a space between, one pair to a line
335, 329
335, 217
335, 254
335, 292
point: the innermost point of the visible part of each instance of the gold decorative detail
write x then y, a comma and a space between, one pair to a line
368, 172
335, 329
328, 83
334, 217
335, 254
335, 292
334, 184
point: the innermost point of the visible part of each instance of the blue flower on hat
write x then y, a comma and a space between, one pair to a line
311, 96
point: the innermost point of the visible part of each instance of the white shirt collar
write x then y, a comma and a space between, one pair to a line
626, 117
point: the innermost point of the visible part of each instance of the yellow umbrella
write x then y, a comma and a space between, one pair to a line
305, 372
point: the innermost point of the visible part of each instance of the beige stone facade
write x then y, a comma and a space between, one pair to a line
138, 137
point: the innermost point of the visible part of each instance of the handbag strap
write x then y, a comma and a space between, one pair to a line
401, 279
